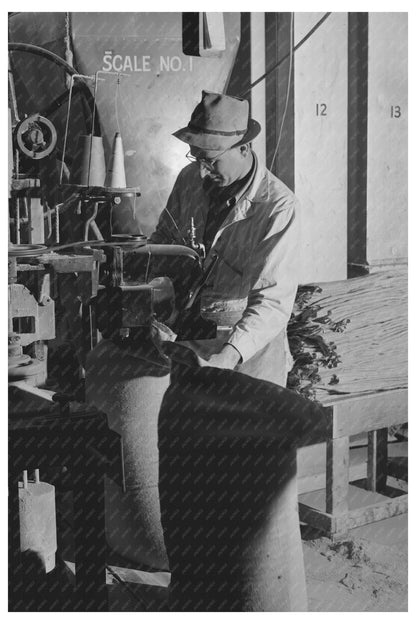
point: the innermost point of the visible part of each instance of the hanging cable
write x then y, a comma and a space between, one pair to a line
149, 257
289, 82
69, 56
116, 103
280, 61
12, 94
175, 224
172, 219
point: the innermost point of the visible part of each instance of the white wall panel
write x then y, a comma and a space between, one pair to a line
321, 145
387, 139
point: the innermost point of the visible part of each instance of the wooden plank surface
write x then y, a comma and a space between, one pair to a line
369, 412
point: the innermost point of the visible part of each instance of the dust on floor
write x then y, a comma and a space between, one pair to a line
355, 575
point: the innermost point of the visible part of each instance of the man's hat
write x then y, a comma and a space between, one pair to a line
218, 123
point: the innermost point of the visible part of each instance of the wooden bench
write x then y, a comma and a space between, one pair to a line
349, 415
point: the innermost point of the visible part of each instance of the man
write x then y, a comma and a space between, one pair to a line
248, 220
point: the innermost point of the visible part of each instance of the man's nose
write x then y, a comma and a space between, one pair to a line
203, 170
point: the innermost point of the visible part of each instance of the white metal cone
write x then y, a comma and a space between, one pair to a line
116, 174
92, 171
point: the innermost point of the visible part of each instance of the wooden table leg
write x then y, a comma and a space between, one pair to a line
337, 480
377, 460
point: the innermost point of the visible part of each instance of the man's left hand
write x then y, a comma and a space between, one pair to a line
229, 357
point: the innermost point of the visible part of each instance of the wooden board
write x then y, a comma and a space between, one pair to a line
313, 482
378, 511
311, 511
337, 475
369, 412
319, 519
377, 459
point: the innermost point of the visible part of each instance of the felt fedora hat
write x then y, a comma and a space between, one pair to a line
218, 123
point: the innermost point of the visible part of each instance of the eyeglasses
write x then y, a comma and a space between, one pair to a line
208, 163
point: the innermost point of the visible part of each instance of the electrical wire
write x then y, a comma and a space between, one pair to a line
149, 257
13, 94
175, 224
280, 61
61, 174
172, 218
116, 104
289, 82
18, 250
69, 56
111, 219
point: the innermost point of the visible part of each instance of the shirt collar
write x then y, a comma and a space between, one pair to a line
258, 190
242, 190
255, 190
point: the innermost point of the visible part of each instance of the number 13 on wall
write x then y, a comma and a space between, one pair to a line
395, 111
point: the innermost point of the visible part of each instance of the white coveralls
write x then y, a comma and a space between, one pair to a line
254, 282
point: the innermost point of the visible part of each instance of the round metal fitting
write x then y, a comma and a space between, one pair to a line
18, 360
36, 137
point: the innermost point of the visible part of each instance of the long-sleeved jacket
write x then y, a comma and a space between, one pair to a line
255, 278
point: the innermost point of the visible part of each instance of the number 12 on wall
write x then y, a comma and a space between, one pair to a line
320, 110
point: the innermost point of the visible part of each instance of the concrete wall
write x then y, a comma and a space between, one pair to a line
158, 95
321, 145
321, 77
156, 98
387, 139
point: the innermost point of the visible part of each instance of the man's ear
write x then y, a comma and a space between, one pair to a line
245, 149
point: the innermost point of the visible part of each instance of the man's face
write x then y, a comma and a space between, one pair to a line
223, 168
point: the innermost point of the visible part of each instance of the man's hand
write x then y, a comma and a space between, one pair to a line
229, 357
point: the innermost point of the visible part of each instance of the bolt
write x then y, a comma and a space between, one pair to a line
14, 347
13, 339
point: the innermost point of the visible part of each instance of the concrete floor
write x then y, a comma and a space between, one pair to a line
365, 572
